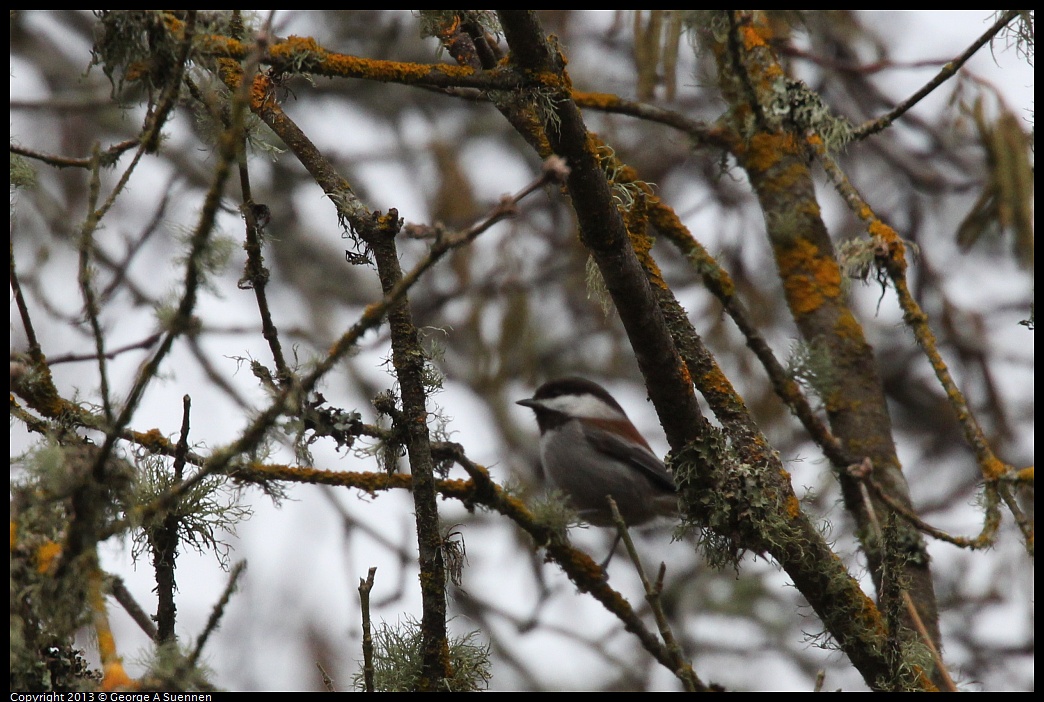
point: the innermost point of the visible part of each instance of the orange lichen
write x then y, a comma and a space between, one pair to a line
600, 101
387, 221
766, 149
809, 277
868, 615
809, 208
46, 555
136, 71
220, 45
993, 468
370, 482
152, 440
847, 327
448, 31
752, 38
715, 381
882, 231
116, 678
262, 95
294, 45
683, 370
771, 74
582, 569
308, 55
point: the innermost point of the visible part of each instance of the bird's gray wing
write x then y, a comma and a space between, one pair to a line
641, 458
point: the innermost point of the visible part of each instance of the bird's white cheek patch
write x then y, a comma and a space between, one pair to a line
582, 406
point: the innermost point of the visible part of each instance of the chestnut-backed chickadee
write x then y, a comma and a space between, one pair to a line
590, 450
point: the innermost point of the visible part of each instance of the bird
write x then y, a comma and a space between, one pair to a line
590, 450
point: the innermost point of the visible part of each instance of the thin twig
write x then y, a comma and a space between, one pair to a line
217, 613
983, 540
328, 682
683, 669
367, 638
950, 69
862, 471
79, 357
255, 216
122, 595
86, 280
108, 157
23, 309
702, 133
891, 257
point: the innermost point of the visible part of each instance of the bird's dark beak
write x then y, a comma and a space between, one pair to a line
529, 402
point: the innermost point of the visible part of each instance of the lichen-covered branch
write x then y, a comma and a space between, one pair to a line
773, 151
711, 482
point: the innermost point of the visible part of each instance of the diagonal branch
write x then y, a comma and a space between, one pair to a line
775, 525
947, 72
